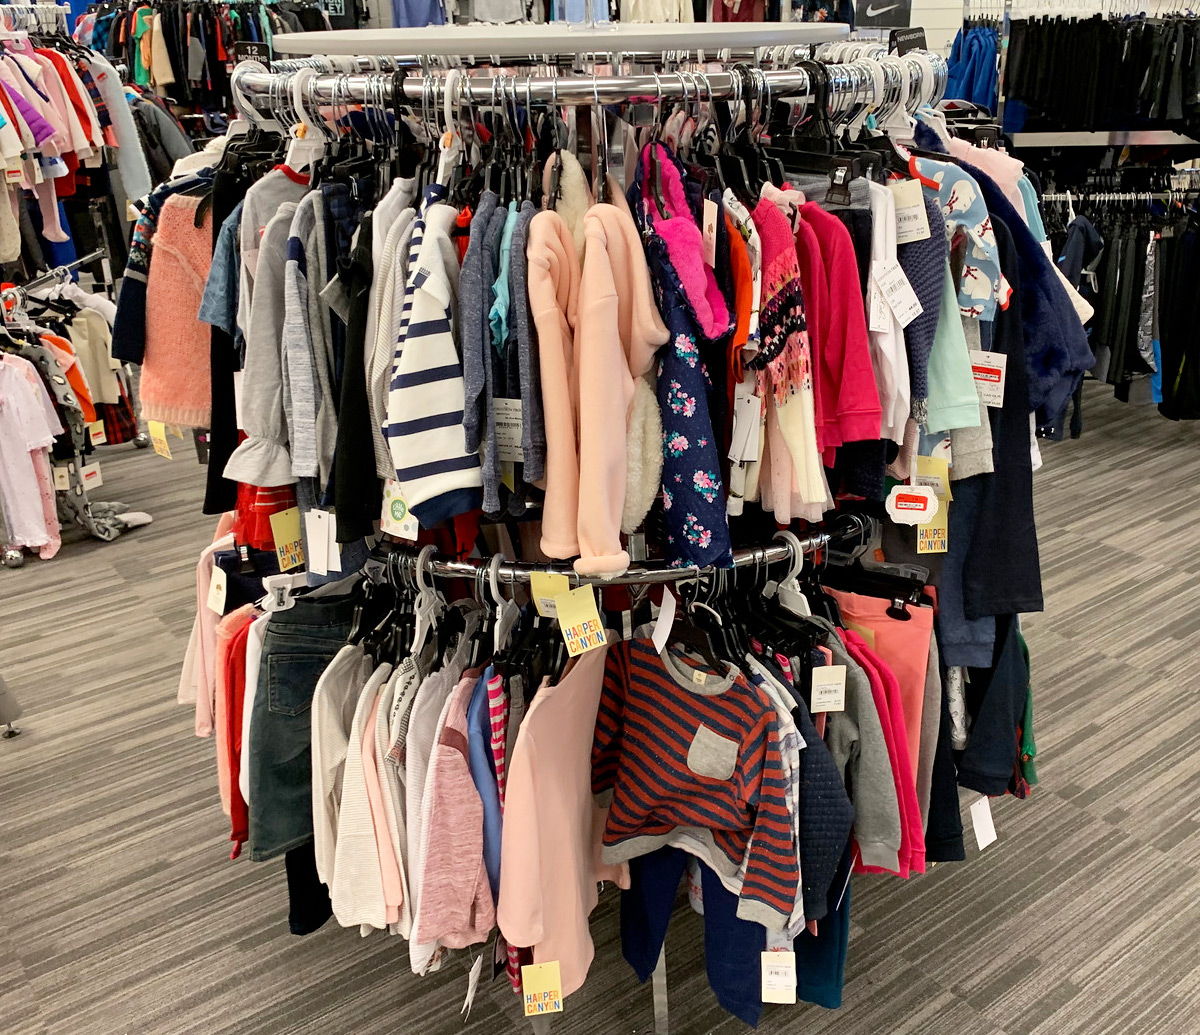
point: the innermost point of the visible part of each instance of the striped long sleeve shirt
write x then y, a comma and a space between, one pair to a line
440, 477
693, 758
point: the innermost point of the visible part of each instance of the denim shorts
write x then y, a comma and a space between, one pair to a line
299, 644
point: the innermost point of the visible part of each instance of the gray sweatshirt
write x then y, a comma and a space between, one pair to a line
855, 738
262, 459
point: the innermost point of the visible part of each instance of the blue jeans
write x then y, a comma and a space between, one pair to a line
299, 644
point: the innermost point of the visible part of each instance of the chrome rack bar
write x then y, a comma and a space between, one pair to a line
649, 573
49, 276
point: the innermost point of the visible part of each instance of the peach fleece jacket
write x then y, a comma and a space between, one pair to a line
554, 278
617, 335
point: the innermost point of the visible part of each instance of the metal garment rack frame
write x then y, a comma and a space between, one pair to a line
254, 87
50, 276
511, 573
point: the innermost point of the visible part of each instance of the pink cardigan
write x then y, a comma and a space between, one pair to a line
455, 907
617, 335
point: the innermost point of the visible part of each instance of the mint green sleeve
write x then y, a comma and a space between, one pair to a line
953, 399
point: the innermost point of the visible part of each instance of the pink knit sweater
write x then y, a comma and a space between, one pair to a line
176, 385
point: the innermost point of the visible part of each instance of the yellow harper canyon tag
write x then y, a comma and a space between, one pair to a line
580, 620
289, 547
541, 985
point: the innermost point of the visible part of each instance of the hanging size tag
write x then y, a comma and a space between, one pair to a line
988, 368
62, 478
237, 400
897, 291
579, 620
711, 214
333, 550
90, 474
912, 221
935, 536
509, 430
779, 977
829, 688
218, 586
880, 311
541, 985
158, 438
545, 587
911, 504
981, 820
934, 471
747, 414
289, 547
96, 433
666, 619
316, 527
174, 430
395, 518
472, 986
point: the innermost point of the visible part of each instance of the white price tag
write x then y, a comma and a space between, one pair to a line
779, 977
333, 555
912, 221
237, 399
829, 688
711, 215
897, 291
880, 313
509, 430
91, 476
912, 504
666, 619
981, 820
316, 528
217, 588
747, 415
989, 368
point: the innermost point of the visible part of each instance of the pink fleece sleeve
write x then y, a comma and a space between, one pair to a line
858, 409
553, 300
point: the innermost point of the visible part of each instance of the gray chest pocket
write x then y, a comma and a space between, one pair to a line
711, 754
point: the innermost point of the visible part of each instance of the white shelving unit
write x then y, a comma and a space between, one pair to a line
555, 38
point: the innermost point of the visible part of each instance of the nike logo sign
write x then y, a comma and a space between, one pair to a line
874, 12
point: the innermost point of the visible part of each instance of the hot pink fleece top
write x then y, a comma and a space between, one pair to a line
848, 410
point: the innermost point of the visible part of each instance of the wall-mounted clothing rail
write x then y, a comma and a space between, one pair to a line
523, 40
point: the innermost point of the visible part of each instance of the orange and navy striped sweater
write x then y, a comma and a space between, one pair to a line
692, 759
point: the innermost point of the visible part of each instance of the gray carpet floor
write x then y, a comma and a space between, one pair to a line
123, 915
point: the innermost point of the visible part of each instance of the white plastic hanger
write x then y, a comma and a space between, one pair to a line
788, 591
508, 612
306, 147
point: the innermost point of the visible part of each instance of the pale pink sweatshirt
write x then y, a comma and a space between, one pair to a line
619, 330
455, 907
1001, 167
550, 849
554, 278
